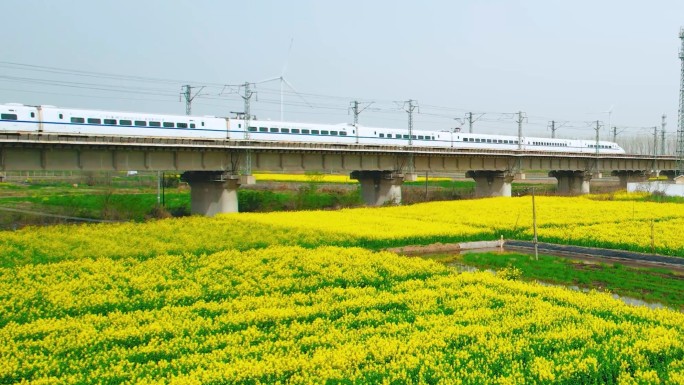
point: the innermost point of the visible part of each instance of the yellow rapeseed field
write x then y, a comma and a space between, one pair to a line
618, 223
292, 297
337, 315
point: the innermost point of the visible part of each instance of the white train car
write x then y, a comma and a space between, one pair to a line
54, 120
16, 117
294, 132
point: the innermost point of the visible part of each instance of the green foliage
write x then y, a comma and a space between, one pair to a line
651, 285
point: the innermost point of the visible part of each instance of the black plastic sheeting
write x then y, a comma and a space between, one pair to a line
550, 248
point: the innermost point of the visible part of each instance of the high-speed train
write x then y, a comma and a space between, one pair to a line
19, 118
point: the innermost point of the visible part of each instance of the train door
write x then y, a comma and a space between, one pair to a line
39, 111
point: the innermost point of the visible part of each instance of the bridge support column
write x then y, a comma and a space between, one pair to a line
572, 182
627, 176
670, 174
491, 183
379, 187
212, 192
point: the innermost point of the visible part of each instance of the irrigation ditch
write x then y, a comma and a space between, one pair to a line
589, 254
585, 256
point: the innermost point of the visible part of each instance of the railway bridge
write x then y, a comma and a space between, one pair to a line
215, 169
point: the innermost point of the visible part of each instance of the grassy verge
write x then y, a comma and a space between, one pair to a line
648, 284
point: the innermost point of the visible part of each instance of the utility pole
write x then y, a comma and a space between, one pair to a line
357, 112
655, 141
411, 107
534, 227
470, 122
247, 169
663, 123
598, 127
614, 134
680, 121
187, 93
520, 121
355, 108
553, 128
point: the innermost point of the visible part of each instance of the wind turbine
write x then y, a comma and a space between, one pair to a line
284, 81
608, 111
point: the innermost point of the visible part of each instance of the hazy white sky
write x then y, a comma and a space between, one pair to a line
554, 60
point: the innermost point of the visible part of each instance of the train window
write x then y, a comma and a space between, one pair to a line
77, 120
125, 122
154, 124
9, 116
238, 125
274, 129
182, 125
33, 114
252, 129
477, 140
314, 132
421, 137
295, 130
285, 130
192, 125
343, 133
61, 116
382, 135
413, 136
515, 142
489, 140
406, 136
334, 133
305, 131
140, 123
110, 121
263, 129
94, 120
324, 132
168, 125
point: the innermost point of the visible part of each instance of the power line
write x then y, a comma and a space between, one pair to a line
73, 72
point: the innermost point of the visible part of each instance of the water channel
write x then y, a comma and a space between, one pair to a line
626, 299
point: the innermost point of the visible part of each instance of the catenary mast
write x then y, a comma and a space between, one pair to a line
680, 117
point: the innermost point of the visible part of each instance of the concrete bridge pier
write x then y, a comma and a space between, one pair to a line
627, 176
379, 187
491, 183
212, 192
670, 174
572, 182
